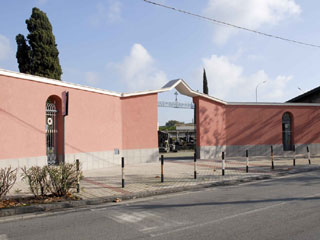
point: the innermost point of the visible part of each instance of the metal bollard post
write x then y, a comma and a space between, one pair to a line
294, 154
223, 164
162, 176
195, 165
309, 158
272, 158
78, 175
247, 163
122, 171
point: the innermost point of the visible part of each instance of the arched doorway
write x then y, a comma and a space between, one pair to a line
287, 135
54, 130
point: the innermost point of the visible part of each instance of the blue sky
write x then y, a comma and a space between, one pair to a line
129, 45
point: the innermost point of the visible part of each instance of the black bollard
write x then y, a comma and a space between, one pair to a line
294, 154
78, 175
223, 164
195, 165
272, 158
247, 164
122, 171
162, 175
309, 158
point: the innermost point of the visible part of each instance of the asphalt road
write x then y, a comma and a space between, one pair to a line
283, 208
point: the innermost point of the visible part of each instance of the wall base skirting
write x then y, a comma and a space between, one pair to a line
207, 152
95, 160
23, 162
90, 160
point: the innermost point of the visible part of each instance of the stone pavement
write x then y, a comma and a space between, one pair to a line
178, 174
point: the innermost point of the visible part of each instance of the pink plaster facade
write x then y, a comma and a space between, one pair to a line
97, 123
142, 111
257, 125
93, 123
234, 128
211, 123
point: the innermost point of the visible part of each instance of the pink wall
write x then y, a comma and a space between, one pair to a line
139, 121
220, 124
96, 122
251, 125
99, 122
22, 133
210, 122
93, 124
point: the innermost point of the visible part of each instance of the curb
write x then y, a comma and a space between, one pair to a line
37, 208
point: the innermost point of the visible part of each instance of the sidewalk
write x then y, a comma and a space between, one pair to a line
144, 179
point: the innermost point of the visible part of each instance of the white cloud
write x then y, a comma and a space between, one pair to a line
248, 13
91, 78
109, 13
227, 81
5, 49
138, 70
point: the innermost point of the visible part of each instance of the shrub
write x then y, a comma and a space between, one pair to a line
56, 180
63, 178
37, 178
8, 178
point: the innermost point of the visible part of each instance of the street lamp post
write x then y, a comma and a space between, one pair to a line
299, 88
257, 89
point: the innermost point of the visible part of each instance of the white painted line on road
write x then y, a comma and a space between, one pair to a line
131, 217
229, 217
216, 220
313, 195
145, 221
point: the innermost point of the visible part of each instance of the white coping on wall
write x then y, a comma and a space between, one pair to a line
273, 104
183, 88
55, 82
179, 84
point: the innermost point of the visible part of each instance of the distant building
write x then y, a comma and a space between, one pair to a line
312, 96
185, 127
184, 137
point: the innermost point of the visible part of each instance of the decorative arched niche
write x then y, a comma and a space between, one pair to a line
287, 133
54, 130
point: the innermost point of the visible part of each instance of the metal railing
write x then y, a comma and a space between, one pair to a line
175, 105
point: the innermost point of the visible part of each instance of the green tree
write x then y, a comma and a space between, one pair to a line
172, 123
205, 82
23, 54
38, 54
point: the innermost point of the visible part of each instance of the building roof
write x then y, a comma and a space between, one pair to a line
179, 84
304, 95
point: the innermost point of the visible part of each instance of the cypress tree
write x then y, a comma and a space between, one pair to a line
23, 54
38, 54
205, 83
